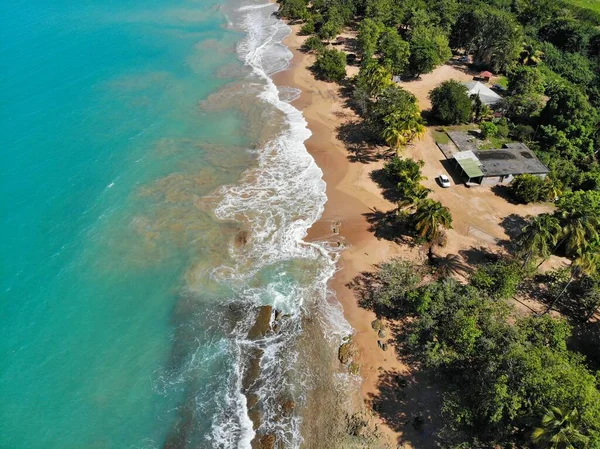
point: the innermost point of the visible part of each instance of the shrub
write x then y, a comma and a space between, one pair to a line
488, 129
522, 133
531, 189
331, 65
396, 278
314, 44
500, 280
308, 28
451, 103
502, 128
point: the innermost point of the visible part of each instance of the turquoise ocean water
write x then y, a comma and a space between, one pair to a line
139, 139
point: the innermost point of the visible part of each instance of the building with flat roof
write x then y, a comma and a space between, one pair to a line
499, 166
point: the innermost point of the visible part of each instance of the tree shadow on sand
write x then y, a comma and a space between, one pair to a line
513, 227
389, 226
360, 142
410, 405
389, 188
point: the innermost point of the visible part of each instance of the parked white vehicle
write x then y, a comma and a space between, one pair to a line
444, 181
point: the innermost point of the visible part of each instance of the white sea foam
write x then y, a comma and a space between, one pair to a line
278, 200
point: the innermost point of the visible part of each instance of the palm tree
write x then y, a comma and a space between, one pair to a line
402, 128
579, 233
585, 264
539, 237
558, 430
530, 56
412, 194
376, 78
429, 218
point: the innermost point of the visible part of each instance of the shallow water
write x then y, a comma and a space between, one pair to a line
156, 191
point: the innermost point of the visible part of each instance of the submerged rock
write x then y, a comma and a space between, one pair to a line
354, 368
346, 352
288, 407
266, 441
262, 325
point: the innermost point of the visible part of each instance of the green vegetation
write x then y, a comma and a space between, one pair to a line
440, 137
508, 380
532, 189
451, 103
331, 65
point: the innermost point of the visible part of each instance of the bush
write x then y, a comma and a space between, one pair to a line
451, 103
396, 279
502, 128
314, 44
294, 10
531, 189
308, 28
522, 133
488, 129
500, 280
331, 65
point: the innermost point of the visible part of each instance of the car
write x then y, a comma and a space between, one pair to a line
499, 88
444, 181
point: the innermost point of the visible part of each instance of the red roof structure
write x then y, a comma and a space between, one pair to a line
486, 74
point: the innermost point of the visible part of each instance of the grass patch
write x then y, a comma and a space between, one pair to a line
503, 81
594, 5
494, 143
440, 137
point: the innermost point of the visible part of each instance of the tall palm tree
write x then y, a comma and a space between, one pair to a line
430, 217
539, 237
580, 233
402, 128
412, 194
558, 430
587, 263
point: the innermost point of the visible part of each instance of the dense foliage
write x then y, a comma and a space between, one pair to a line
501, 373
509, 381
450, 103
331, 65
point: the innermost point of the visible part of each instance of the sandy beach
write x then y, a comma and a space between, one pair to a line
481, 222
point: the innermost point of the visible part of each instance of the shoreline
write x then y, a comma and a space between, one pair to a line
350, 194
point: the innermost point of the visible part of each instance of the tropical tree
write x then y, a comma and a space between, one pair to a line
430, 219
558, 429
369, 33
401, 128
331, 65
580, 215
374, 78
396, 117
428, 49
394, 51
450, 103
530, 55
539, 237
585, 264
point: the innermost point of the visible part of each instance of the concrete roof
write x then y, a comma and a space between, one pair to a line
515, 159
487, 95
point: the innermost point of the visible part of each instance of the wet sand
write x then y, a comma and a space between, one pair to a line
351, 194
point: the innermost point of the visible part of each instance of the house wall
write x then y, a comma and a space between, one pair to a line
506, 179
491, 180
